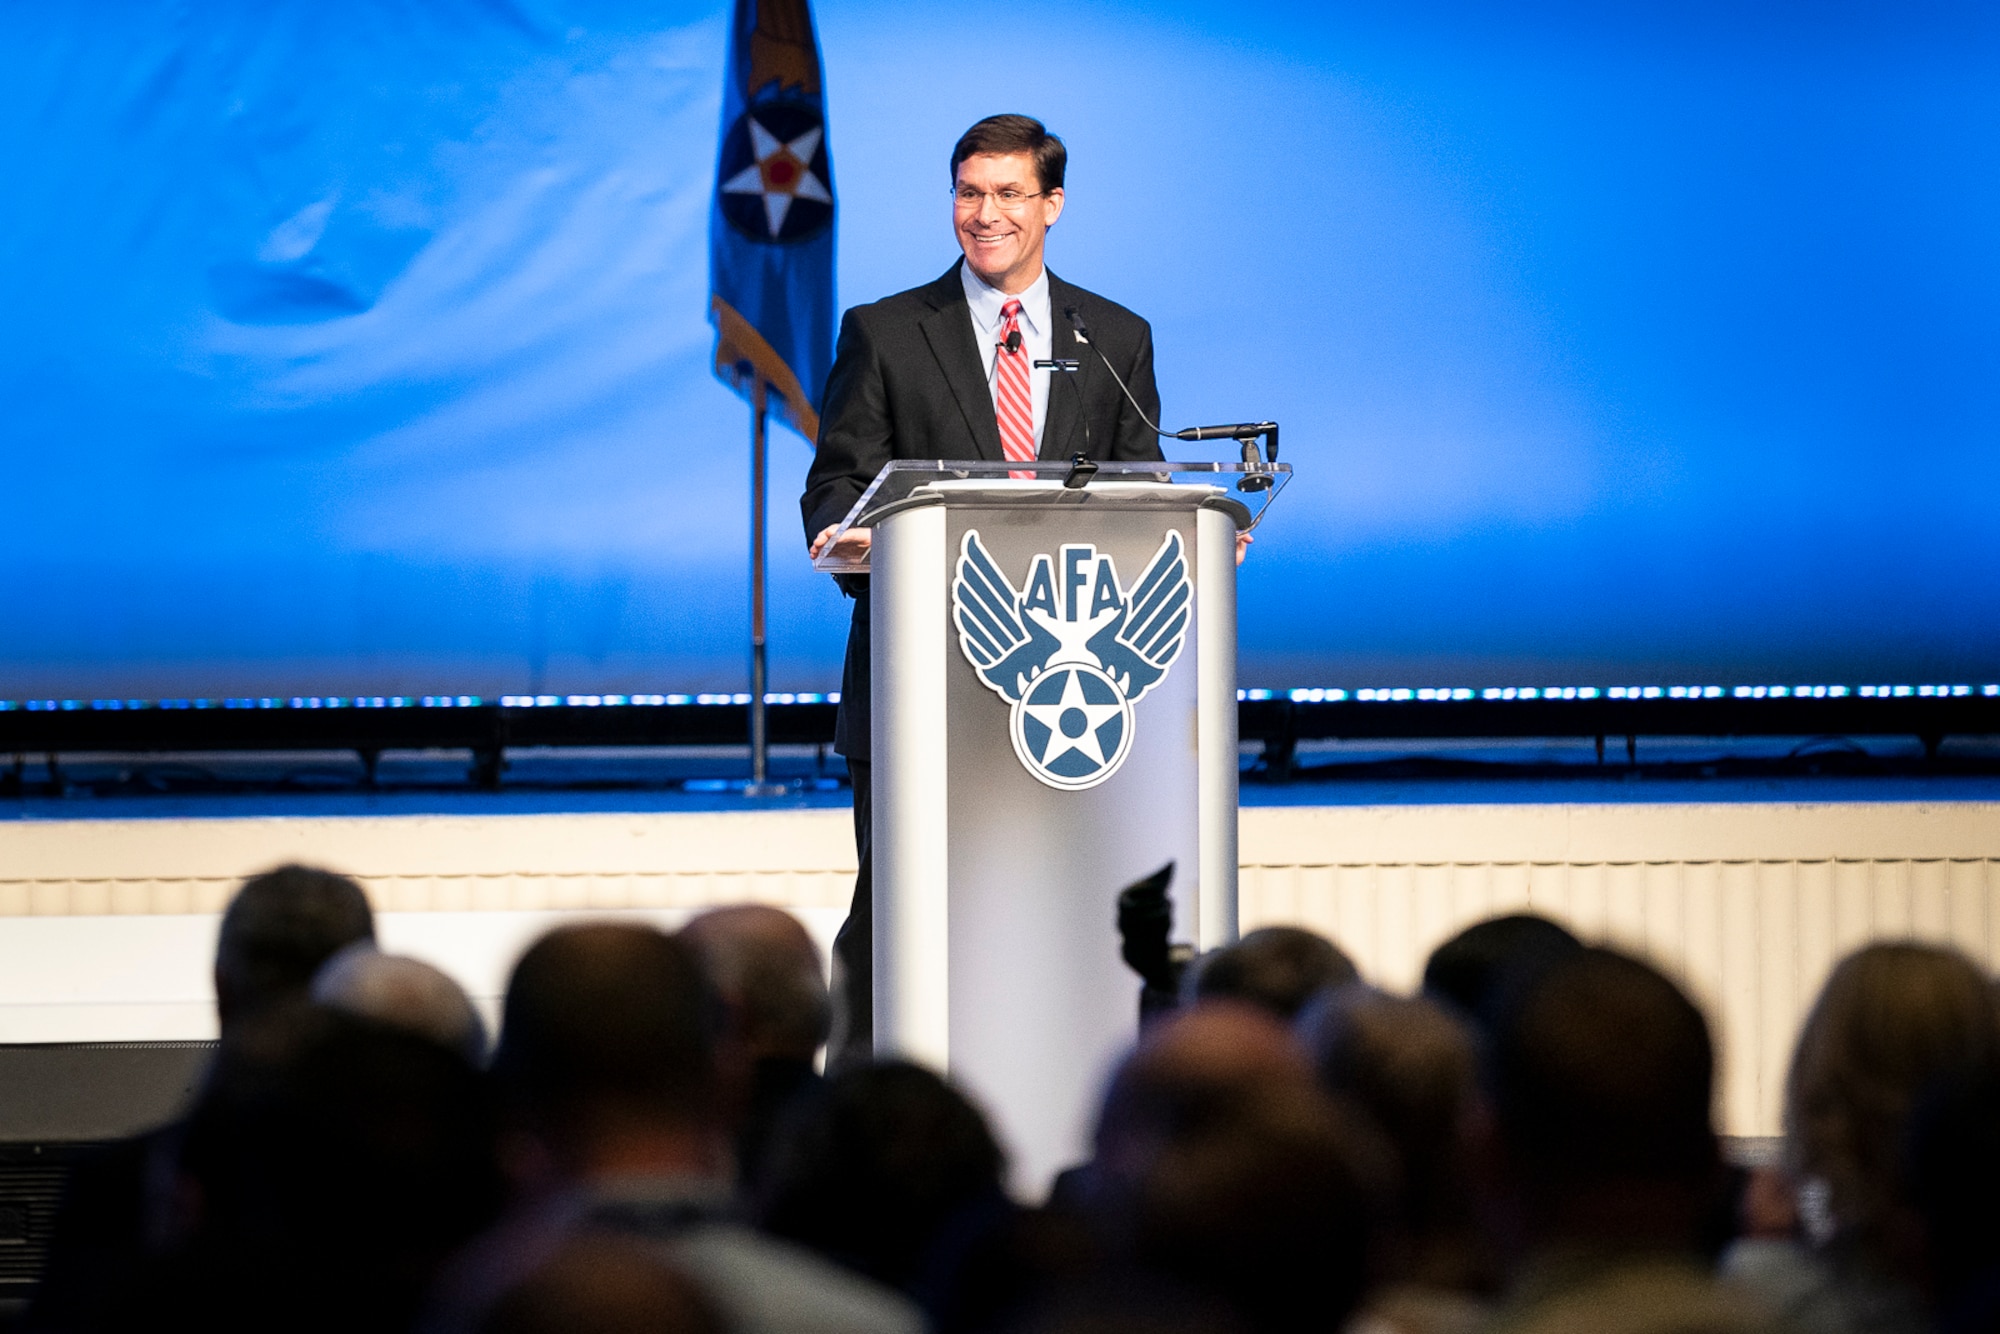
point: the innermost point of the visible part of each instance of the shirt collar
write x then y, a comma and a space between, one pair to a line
986, 301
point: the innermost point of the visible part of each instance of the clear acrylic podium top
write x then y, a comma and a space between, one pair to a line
1252, 486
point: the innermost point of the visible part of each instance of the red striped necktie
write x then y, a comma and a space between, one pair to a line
1014, 406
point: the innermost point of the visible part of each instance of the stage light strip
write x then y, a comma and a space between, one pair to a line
1451, 694
399, 702
619, 701
1299, 695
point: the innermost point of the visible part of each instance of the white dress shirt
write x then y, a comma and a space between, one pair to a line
1036, 335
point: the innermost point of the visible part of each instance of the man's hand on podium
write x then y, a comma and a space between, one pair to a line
853, 544
1243, 541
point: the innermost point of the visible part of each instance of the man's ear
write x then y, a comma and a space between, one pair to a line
1052, 206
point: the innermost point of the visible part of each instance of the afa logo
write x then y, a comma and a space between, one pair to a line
1073, 651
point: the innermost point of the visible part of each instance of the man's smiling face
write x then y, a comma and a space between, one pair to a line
1002, 241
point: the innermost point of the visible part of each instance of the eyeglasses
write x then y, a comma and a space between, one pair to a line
1008, 201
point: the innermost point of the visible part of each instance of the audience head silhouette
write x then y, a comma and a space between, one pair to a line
1891, 1020
886, 1161
1222, 1168
769, 972
1214, 1053
1952, 1168
335, 1164
1599, 1072
1277, 967
404, 993
1410, 1066
1469, 971
277, 932
608, 1047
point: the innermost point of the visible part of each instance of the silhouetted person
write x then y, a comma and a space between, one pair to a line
1952, 1171
404, 993
1892, 1020
1468, 971
1225, 1044
1145, 942
277, 931
1601, 1162
601, 1283
1409, 1064
1217, 1052
610, 1093
1277, 967
770, 976
893, 1173
330, 1167
1223, 1170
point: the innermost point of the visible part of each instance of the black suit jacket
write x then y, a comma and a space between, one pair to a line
907, 383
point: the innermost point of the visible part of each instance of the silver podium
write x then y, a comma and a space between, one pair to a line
1054, 717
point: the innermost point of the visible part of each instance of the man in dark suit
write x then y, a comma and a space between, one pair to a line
938, 372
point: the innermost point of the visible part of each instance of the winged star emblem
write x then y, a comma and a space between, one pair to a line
1072, 649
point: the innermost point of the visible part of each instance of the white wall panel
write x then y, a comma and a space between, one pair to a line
1750, 905
106, 926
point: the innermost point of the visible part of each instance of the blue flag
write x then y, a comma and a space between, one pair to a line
770, 233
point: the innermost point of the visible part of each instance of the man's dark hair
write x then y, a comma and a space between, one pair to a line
1410, 1065
1277, 967
1951, 1164
1471, 969
766, 968
1893, 1018
278, 930
608, 1017
1600, 1070
888, 1158
1270, 1202
1221, 1168
338, 1162
1001, 135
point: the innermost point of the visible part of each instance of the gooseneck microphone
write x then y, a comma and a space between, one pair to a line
1237, 431
1246, 432
1083, 336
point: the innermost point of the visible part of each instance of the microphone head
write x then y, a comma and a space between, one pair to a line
1014, 341
1076, 323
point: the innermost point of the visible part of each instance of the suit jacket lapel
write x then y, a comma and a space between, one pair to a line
1062, 429
948, 329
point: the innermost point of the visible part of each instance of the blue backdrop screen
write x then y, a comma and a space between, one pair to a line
362, 348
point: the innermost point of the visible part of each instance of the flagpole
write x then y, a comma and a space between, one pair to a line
760, 784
